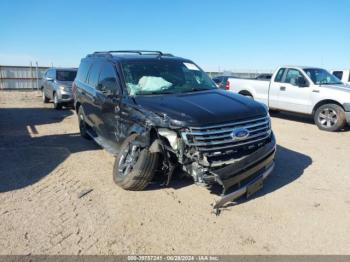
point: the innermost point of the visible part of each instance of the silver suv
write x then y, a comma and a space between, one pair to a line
57, 86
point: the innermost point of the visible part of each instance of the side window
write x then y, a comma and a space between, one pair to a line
83, 71
279, 75
217, 80
108, 79
338, 74
292, 75
51, 73
93, 74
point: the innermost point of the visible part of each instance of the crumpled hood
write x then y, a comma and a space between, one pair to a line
202, 108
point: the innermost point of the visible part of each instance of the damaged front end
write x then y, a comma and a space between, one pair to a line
238, 155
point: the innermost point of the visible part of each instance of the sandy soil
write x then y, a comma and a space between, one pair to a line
45, 166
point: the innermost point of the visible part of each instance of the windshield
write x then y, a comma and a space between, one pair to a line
67, 75
164, 77
322, 77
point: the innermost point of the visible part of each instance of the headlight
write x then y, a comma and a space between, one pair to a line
65, 88
170, 135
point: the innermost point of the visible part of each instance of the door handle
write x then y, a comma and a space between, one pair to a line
283, 88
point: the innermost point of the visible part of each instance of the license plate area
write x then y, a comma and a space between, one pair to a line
255, 186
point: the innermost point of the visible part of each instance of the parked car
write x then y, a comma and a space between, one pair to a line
155, 111
342, 75
57, 86
264, 77
221, 82
305, 90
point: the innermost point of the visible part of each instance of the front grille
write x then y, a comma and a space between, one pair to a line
217, 141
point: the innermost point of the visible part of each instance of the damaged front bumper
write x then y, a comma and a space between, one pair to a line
245, 175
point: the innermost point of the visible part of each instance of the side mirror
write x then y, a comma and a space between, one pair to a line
105, 91
301, 82
49, 79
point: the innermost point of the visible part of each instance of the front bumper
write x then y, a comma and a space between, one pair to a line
65, 97
347, 117
238, 176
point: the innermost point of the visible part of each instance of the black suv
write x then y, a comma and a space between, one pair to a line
155, 111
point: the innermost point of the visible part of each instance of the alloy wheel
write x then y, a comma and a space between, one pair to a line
128, 159
328, 117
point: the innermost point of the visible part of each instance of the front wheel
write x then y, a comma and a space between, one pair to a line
44, 97
57, 105
134, 167
330, 117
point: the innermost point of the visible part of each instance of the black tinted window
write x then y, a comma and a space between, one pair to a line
280, 75
108, 79
83, 71
94, 74
338, 74
217, 80
65, 75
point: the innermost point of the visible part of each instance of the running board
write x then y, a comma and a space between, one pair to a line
103, 143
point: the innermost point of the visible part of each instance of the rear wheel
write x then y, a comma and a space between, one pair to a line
57, 105
82, 124
330, 117
134, 167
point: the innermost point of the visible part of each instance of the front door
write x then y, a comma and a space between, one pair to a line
107, 102
291, 96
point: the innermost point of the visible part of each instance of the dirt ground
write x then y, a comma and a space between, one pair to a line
46, 167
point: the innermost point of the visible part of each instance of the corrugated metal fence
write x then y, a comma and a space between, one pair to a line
27, 77
20, 77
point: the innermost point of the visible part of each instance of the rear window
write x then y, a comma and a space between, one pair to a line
279, 75
83, 71
65, 75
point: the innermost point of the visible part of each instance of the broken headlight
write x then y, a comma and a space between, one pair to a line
171, 136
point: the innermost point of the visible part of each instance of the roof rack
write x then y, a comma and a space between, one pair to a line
140, 52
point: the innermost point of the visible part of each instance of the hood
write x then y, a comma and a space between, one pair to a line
343, 87
64, 83
202, 108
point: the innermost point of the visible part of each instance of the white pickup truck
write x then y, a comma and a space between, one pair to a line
305, 90
343, 75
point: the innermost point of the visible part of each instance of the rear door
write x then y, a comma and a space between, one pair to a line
90, 107
292, 97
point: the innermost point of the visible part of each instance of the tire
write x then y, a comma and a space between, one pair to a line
44, 97
56, 104
330, 117
141, 169
82, 124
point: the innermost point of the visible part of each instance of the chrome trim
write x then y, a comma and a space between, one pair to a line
240, 144
228, 140
227, 129
230, 124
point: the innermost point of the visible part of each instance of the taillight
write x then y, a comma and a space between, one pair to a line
227, 86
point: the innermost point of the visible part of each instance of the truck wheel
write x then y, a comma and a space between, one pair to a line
330, 117
56, 104
45, 99
134, 167
82, 124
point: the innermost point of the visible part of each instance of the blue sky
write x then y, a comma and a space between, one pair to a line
222, 34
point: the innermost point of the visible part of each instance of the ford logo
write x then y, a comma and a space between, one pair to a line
239, 134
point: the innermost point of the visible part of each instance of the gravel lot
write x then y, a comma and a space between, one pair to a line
45, 167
